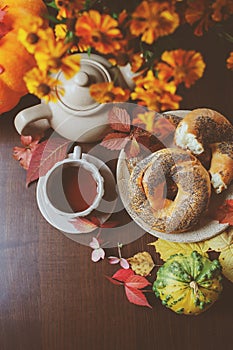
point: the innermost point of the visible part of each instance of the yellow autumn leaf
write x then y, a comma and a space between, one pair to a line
167, 248
222, 241
141, 263
226, 260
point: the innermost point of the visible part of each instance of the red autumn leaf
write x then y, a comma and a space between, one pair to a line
119, 119
113, 281
109, 224
123, 274
24, 154
45, 156
132, 148
83, 224
136, 296
106, 224
3, 13
163, 128
115, 141
3, 29
224, 213
135, 281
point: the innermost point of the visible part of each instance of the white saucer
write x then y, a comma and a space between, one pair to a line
207, 228
105, 208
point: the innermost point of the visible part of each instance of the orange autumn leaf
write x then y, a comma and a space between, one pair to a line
24, 154
181, 66
224, 214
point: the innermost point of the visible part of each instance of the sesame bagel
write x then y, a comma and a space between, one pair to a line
169, 190
221, 167
204, 129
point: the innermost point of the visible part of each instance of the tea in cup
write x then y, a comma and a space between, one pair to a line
73, 187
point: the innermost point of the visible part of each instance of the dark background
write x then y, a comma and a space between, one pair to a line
52, 297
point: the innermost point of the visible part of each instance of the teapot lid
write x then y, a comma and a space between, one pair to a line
77, 95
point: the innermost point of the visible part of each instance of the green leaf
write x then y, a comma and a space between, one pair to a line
89, 51
115, 15
52, 4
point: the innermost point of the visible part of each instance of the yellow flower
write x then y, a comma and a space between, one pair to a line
98, 31
107, 92
43, 86
230, 61
222, 10
153, 20
52, 56
199, 12
181, 66
32, 36
157, 95
61, 31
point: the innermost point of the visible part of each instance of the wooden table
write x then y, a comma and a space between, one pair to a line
52, 297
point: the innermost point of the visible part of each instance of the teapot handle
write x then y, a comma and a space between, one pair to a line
35, 118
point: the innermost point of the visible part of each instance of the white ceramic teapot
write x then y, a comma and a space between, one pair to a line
76, 115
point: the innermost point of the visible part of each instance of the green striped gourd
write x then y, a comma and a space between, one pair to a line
188, 284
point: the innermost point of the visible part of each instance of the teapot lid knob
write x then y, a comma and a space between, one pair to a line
77, 94
82, 79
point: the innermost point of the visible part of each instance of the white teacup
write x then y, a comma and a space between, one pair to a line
73, 187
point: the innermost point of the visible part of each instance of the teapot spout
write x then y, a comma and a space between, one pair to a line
128, 75
33, 120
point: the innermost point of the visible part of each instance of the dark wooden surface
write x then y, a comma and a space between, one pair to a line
52, 297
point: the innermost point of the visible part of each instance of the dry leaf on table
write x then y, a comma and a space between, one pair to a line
133, 285
45, 156
167, 248
224, 213
141, 263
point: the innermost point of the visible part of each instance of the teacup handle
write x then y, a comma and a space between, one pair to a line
38, 115
76, 153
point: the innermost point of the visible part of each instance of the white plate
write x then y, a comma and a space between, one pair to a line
105, 208
207, 228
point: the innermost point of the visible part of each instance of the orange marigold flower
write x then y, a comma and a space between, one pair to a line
98, 31
157, 95
222, 10
153, 19
68, 8
199, 12
230, 61
107, 92
181, 66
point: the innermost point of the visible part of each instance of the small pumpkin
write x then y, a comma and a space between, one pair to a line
15, 61
188, 284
